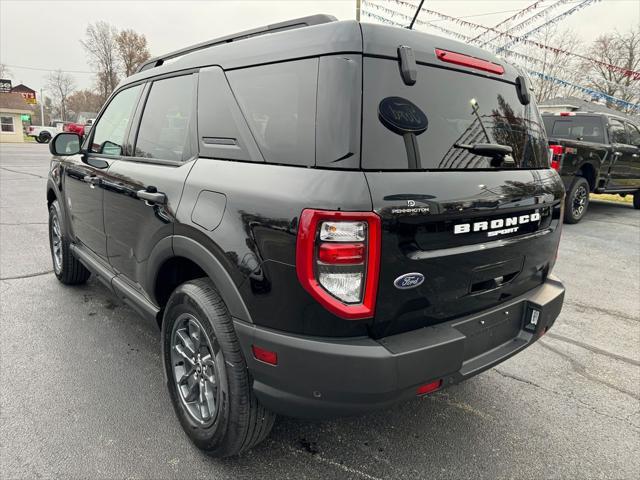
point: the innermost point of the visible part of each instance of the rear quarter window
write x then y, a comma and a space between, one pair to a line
445, 95
279, 103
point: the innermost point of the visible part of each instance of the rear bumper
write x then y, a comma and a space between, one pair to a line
329, 377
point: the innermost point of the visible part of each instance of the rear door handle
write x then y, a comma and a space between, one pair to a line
151, 196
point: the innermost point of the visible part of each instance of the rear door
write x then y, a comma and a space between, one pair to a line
85, 173
634, 165
622, 154
480, 231
143, 189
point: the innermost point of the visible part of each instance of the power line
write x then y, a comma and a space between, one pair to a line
47, 69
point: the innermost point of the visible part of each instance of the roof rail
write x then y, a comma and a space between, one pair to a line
254, 32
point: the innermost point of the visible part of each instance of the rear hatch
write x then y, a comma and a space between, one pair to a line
479, 229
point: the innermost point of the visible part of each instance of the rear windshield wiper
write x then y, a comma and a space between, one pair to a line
486, 149
500, 154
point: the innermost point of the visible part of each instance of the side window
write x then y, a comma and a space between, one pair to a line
279, 104
634, 135
111, 129
164, 128
617, 132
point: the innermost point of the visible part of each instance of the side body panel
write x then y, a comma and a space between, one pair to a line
256, 239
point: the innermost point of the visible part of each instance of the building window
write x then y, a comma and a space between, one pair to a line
7, 124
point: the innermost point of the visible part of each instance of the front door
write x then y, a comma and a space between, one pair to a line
86, 172
143, 189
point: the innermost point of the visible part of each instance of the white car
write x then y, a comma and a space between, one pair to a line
44, 134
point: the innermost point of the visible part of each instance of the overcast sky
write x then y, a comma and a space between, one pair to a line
45, 35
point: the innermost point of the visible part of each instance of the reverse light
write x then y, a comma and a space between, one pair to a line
468, 61
429, 387
265, 355
337, 260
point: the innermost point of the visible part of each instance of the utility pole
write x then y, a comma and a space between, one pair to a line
41, 108
358, 10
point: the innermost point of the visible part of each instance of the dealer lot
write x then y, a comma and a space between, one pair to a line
83, 396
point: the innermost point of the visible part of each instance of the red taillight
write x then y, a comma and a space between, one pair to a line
467, 61
429, 387
567, 114
556, 151
31, 129
338, 260
264, 355
341, 253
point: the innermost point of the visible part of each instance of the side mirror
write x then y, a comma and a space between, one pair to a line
64, 144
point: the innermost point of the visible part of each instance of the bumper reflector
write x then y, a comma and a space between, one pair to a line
265, 356
429, 387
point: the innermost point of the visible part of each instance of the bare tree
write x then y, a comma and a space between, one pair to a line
133, 51
102, 48
61, 86
621, 50
84, 101
4, 71
552, 72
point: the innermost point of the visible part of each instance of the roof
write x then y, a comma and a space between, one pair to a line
578, 104
22, 88
330, 37
14, 102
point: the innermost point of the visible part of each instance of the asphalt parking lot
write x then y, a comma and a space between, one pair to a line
82, 392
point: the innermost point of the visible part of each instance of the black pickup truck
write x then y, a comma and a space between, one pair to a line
593, 152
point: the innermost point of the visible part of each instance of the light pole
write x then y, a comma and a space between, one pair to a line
41, 108
358, 10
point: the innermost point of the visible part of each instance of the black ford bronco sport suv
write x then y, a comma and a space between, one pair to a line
324, 218
593, 152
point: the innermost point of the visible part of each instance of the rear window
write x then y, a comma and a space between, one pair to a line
445, 97
587, 129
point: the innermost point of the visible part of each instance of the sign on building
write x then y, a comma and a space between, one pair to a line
5, 86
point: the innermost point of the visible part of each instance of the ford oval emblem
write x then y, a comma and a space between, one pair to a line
409, 280
402, 116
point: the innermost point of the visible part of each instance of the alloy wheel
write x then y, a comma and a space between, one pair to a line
194, 360
579, 201
56, 242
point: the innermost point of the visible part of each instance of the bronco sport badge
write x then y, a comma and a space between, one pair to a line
497, 226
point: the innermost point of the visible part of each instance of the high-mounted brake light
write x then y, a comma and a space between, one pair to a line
467, 61
566, 114
338, 260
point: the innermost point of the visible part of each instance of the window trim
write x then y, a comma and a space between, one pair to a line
132, 135
13, 125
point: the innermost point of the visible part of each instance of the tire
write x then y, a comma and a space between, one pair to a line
66, 267
636, 200
223, 417
44, 137
577, 201
39, 140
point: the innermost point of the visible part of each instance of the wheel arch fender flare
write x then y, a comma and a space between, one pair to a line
182, 246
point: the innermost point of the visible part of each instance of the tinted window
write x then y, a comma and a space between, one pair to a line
634, 134
164, 128
110, 130
617, 132
588, 129
279, 103
445, 96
